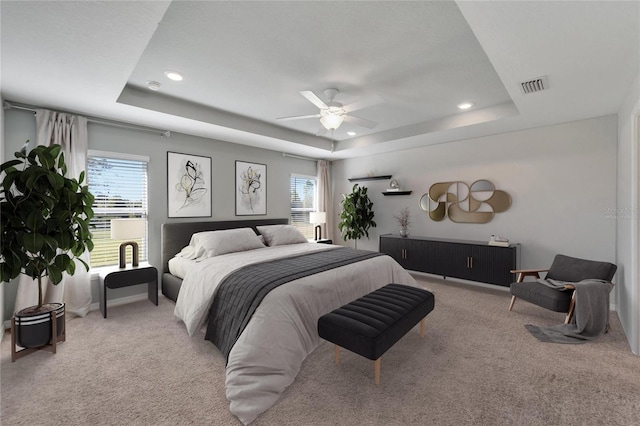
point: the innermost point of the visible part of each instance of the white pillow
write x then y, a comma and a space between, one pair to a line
190, 252
278, 235
215, 243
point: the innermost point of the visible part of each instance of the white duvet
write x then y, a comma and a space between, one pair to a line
283, 330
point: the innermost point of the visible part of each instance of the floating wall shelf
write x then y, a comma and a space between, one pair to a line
370, 178
396, 192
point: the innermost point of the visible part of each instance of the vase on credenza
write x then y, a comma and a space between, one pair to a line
404, 232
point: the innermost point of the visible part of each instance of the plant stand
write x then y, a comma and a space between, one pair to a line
55, 339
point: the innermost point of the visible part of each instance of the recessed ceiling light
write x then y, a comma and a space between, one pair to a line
465, 105
351, 133
173, 75
153, 85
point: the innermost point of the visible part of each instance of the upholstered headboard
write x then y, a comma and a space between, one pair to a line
176, 235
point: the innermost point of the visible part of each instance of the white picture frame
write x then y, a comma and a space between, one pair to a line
188, 185
251, 189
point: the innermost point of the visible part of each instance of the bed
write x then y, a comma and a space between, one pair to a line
267, 354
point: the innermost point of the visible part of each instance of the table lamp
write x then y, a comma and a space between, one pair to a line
318, 218
128, 229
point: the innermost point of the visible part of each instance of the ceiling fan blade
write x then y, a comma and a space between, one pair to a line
360, 121
314, 99
364, 103
298, 117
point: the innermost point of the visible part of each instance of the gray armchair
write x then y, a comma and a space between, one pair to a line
564, 268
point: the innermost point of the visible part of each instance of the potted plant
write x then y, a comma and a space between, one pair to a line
404, 220
45, 227
357, 215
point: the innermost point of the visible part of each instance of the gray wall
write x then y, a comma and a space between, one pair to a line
628, 296
20, 126
562, 180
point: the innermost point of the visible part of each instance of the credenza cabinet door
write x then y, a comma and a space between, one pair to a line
473, 261
394, 247
496, 264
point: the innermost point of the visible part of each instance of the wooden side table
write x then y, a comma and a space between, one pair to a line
125, 277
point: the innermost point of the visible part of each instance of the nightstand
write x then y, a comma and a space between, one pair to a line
124, 277
323, 241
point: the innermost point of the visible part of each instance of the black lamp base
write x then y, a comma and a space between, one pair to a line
318, 233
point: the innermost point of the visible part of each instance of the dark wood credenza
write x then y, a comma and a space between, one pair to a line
468, 260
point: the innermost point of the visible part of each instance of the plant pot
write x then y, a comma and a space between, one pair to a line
33, 325
404, 232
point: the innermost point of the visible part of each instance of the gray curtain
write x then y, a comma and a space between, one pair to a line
70, 132
324, 197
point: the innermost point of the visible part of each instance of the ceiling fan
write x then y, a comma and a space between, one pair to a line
332, 113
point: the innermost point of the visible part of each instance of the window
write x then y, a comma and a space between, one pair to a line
304, 195
119, 185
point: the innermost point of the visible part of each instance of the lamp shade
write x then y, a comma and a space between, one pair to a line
318, 217
127, 229
331, 121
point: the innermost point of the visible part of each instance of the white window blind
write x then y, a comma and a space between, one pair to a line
119, 186
304, 195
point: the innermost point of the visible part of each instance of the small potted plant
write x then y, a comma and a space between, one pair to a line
45, 227
404, 220
357, 215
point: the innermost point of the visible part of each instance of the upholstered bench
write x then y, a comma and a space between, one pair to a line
373, 323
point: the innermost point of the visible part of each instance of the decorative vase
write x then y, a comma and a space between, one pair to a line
404, 232
33, 329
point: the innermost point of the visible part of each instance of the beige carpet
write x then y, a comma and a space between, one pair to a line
477, 365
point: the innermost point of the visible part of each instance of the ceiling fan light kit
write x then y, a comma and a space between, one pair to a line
333, 114
332, 118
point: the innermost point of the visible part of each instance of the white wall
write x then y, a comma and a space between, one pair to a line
562, 180
20, 126
628, 295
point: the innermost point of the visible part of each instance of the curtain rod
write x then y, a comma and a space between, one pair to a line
284, 154
163, 133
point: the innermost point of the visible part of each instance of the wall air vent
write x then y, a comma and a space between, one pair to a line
535, 85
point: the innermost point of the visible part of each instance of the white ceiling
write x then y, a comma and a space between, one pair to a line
245, 62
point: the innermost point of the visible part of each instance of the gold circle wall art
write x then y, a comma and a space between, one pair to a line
462, 203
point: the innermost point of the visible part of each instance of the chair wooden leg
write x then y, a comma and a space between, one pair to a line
513, 300
377, 370
337, 354
422, 327
572, 306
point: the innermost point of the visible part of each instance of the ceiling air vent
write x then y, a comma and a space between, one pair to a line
535, 85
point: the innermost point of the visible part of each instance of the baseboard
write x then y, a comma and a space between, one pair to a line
458, 280
612, 306
6, 325
120, 301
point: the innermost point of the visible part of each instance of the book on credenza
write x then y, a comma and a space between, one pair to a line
499, 243
499, 240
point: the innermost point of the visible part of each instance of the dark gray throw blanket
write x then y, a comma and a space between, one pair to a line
590, 317
240, 293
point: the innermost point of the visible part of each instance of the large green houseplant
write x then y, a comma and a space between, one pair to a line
45, 219
357, 215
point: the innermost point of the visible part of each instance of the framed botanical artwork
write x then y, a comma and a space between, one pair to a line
251, 188
188, 185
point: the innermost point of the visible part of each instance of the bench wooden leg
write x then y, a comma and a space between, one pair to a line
422, 327
513, 300
337, 352
377, 370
